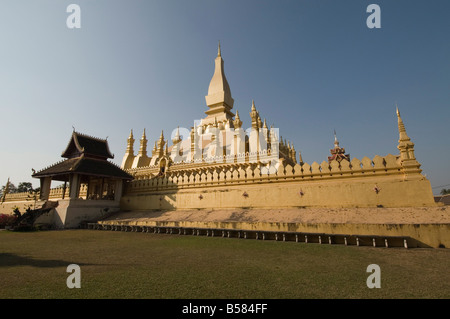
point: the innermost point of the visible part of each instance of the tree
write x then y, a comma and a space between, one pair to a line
445, 191
25, 187
11, 189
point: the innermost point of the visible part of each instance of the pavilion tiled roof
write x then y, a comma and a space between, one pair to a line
87, 145
85, 166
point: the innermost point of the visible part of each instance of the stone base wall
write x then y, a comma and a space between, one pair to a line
69, 213
417, 235
392, 191
382, 181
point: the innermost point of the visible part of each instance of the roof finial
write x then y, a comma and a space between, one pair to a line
218, 50
336, 142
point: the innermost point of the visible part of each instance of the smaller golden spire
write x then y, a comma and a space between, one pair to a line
256, 120
300, 159
237, 121
130, 142
161, 140
177, 137
143, 147
403, 137
406, 148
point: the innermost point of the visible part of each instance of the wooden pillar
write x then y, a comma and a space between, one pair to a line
64, 189
45, 188
74, 186
102, 188
118, 190
88, 188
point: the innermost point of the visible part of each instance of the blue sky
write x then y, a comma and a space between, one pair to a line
311, 66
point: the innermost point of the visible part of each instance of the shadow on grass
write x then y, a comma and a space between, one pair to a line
7, 260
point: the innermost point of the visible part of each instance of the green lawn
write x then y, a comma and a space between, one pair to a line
141, 265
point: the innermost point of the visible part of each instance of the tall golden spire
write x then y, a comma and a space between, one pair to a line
219, 98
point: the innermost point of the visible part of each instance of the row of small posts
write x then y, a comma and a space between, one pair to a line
320, 238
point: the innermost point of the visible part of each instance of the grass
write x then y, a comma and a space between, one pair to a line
140, 265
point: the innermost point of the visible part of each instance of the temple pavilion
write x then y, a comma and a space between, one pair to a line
93, 186
85, 166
